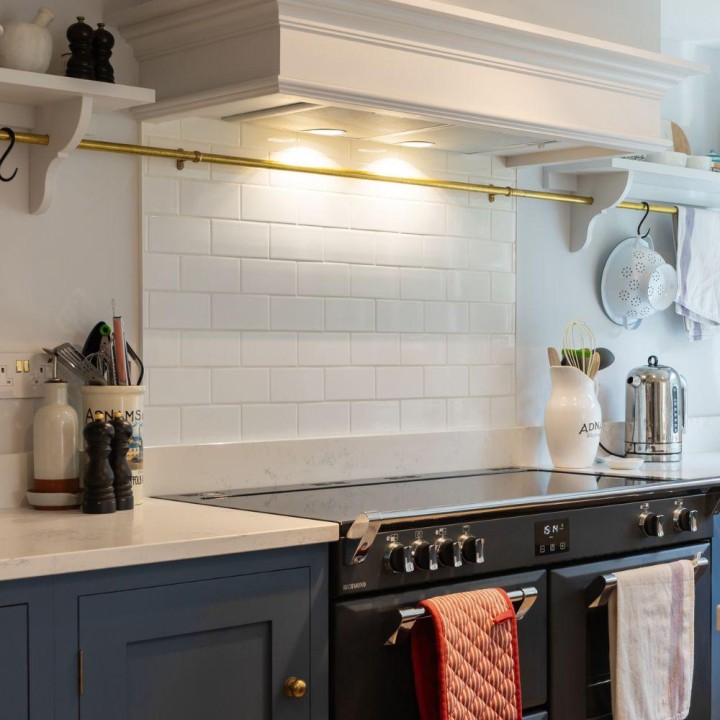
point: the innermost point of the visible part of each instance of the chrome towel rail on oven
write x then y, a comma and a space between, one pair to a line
409, 616
600, 589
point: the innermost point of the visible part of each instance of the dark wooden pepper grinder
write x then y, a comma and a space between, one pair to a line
103, 42
99, 496
81, 63
120, 445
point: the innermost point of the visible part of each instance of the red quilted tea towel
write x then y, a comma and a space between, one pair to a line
465, 658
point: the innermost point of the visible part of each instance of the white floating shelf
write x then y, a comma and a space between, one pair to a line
613, 180
60, 107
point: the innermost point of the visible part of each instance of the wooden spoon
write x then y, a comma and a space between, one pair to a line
553, 356
594, 365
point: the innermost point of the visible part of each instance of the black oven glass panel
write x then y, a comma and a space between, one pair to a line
580, 687
371, 680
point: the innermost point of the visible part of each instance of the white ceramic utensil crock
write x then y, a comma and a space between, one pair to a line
573, 418
27, 46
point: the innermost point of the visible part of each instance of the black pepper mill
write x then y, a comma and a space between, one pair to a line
81, 63
120, 445
99, 497
103, 42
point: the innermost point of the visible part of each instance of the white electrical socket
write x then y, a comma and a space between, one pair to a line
22, 374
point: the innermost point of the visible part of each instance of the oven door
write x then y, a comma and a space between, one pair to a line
374, 680
579, 642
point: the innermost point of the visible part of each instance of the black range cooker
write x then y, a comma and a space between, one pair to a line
551, 539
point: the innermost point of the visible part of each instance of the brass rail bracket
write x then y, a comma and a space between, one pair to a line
180, 162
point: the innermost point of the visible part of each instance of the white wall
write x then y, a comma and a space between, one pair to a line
59, 271
556, 286
284, 305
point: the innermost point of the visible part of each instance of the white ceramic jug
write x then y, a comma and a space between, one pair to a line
27, 46
573, 418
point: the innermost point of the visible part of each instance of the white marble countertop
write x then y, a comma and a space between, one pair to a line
35, 543
693, 466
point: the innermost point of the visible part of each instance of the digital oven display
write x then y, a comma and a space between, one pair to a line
552, 537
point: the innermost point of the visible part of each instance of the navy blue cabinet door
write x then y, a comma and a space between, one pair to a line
14, 663
216, 649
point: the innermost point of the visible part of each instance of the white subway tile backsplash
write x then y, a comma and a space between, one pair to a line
349, 314
323, 279
295, 242
368, 418
420, 415
323, 349
375, 349
212, 424
268, 277
269, 204
161, 272
446, 381
210, 349
349, 383
240, 312
468, 285
235, 238
169, 310
369, 281
210, 199
240, 385
323, 419
423, 349
296, 313
399, 382
269, 422
499, 169
209, 274
179, 386
269, 349
280, 304
399, 316
296, 384
416, 284
446, 317
186, 235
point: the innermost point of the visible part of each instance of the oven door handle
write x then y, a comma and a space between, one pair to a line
603, 586
409, 616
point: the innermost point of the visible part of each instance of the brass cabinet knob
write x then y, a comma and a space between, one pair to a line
295, 687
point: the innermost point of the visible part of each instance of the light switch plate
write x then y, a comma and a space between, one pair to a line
22, 374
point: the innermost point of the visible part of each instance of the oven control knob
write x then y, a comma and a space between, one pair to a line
398, 558
472, 548
425, 555
651, 524
449, 553
685, 520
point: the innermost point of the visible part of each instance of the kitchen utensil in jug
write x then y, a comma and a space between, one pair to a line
655, 412
636, 282
579, 345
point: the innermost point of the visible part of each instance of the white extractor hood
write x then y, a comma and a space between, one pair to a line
398, 70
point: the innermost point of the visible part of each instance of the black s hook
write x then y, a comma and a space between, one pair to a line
11, 134
647, 212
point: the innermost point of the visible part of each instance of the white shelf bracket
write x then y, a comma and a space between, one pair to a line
66, 123
608, 190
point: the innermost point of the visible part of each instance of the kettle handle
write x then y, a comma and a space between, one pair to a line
683, 388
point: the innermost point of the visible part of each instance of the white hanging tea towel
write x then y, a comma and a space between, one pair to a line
651, 621
697, 241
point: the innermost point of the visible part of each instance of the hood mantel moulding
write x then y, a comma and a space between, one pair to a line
421, 58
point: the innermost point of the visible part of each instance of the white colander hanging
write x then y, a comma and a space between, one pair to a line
636, 282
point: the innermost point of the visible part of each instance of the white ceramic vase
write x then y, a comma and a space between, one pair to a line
27, 46
573, 418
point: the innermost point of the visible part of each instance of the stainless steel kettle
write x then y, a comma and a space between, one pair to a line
655, 412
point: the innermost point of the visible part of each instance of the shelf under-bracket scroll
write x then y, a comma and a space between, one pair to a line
599, 591
409, 616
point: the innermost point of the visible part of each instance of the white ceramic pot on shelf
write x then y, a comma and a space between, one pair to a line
27, 46
573, 418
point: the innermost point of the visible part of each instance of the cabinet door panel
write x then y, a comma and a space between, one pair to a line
14, 667
214, 648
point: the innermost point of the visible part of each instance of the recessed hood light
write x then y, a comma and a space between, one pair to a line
330, 132
416, 144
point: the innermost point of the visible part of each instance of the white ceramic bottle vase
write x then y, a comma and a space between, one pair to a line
55, 442
573, 418
27, 46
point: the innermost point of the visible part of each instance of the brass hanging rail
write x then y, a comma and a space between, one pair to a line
181, 156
